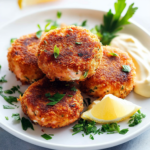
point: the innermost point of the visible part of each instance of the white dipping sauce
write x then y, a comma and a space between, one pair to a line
141, 58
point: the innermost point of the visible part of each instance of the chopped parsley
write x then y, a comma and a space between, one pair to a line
91, 137
85, 74
89, 128
55, 98
56, 51
47, 137
12, 40
0, 67
6, 118
84, 23
113, 54
136, 119
9, 99
8, 107
112, 23
46, 26
96, 31
78, 43
126, 68
13, 90
16, 116
1, 88
2, 80
123, 131
39, 33
73, 89
26, 124
59, 14
70, 95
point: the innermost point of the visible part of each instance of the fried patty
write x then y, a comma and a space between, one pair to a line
80, 53
66, 111
109, 77
22, 59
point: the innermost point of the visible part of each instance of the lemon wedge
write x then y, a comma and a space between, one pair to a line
23, 3
110, 109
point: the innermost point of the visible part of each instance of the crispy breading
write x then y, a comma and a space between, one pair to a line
22, 59
79, 52
109, 77
66, 111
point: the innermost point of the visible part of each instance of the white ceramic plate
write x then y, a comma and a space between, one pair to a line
63, 138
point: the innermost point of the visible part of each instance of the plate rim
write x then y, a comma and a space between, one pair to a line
60, 146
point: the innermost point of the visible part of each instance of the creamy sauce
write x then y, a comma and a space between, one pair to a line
141, 58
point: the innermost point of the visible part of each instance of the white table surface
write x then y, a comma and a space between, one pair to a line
9, 10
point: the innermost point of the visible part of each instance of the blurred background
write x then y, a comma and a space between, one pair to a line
9, 9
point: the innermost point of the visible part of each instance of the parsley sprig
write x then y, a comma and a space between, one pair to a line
13, 90
2, 80
49, 26
112, 23
136, 119
55, 98
47, 136
89, 127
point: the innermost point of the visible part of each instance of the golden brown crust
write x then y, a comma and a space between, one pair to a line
77, 57
22, 58
109, 77
34, 104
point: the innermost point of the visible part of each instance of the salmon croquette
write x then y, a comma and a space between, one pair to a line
109, 77
69, 53
38, 103
22, 59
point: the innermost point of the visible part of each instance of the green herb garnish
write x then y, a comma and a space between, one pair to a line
96, 30
59, 14
55, 98
16, 116
9, 99
91, 137
84, 23
56, 51
13, 90
89, 127
39, 33
112, 23
8, 107
113, 54
73, 89
46, 26
1, 88
136, 119
0, 67
12, 40
85, 74
123, 131
48, 95
2, 80
6, 118
126, 68
26, 124
70, 95
78, 43
46, 136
